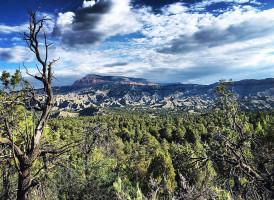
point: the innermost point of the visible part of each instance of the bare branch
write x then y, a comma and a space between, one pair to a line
9, 142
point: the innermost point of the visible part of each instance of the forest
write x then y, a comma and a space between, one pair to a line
210, 155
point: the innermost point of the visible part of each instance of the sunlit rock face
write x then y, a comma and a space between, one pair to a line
118, 91
91, 80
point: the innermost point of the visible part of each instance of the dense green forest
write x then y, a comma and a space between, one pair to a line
133, 154
145, 156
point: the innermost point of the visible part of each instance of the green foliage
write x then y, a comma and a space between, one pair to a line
259, 130
121, 163
144, 147
127, 192
5, 79
8, 80
90, 111
162, 170
15, 78
16, 125
226, 101
137, 155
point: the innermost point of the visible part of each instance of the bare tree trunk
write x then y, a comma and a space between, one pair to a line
24, 183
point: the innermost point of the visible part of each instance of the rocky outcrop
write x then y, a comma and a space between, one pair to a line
115, 92
92, 79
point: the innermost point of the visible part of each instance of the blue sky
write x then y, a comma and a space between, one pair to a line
189, 41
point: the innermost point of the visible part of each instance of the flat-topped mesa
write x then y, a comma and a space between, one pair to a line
92, 79
112, 91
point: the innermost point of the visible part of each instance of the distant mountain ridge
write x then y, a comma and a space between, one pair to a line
119, 91
92, 79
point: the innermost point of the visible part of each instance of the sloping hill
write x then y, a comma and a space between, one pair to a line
118, 91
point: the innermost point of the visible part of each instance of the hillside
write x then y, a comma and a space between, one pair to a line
92, 79
112, 91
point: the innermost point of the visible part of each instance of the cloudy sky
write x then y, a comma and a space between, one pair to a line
189, 41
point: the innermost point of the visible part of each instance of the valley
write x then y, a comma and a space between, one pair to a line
132, 93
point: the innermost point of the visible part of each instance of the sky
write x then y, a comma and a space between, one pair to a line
188, 41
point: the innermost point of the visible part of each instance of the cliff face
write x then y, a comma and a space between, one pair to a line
91, 80
113, 91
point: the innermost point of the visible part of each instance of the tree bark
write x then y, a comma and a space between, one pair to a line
24, 183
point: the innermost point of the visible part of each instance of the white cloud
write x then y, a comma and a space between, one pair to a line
210, 2
250, 31
4, 29
95, 22
17, 54
119, 20
209, 46
88, 3
48, 25
64, 21
243, 31
175, 8
65, 18
16, 39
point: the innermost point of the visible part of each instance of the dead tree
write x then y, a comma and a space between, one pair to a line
24, 143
